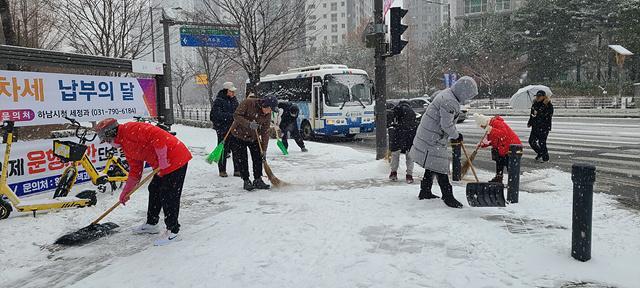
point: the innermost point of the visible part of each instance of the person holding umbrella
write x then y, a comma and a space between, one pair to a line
540, 124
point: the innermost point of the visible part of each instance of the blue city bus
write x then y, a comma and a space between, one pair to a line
333, 99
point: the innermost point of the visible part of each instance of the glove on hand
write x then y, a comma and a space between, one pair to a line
457, 140
254, 125
128, 187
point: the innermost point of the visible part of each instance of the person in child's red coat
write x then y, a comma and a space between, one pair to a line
499, 136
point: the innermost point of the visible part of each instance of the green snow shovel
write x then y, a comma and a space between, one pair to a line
216, 154
281, 144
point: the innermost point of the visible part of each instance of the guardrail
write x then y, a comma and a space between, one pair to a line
197, 114
566, 103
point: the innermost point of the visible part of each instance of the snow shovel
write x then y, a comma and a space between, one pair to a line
467, 164
481, 194
96, 230
281, 144
267, 170
216, 154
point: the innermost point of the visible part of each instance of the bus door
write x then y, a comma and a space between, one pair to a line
316, 104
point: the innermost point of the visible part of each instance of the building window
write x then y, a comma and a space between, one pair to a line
312, 17
342, 3
343, 26
475, 6
324, 5
334, 6
334, 17
312, 6
503, 5
344, 36
324, 16
334, 39
334, 28
325, 38
324, 27
342, 15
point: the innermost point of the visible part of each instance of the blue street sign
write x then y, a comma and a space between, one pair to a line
219, 41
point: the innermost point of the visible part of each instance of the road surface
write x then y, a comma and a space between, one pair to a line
613, 145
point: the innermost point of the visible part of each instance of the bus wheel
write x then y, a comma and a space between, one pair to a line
307, 132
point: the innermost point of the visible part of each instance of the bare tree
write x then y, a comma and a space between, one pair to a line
34, 25
214, 64
268, 29
181, 74
112, 28
7, 36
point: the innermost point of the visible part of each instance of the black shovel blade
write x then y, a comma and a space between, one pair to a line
485, 194
87, 234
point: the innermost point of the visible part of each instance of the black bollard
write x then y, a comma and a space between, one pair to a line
583, 177
456, 151
513, 183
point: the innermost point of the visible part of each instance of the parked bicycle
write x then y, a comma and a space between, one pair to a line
115, 172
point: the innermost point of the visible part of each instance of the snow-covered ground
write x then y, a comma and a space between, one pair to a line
339, 223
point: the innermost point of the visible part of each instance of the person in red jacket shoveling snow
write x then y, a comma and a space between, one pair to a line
145, 142
499, 136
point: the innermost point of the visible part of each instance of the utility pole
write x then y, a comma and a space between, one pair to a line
380, 81
168, 88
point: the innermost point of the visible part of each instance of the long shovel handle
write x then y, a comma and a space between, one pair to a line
473, 155
470, 164
147, 178
233, 125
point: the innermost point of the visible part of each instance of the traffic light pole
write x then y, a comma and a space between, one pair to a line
381, 81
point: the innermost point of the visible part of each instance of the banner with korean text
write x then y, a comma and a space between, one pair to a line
34, 169
32, 98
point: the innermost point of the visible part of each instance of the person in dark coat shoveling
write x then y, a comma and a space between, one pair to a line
401, 133
289, 124
436, 129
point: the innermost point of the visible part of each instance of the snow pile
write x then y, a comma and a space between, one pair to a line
339, 224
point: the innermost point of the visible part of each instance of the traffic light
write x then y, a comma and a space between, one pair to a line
397, 28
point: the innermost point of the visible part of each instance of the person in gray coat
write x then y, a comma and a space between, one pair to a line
437, 128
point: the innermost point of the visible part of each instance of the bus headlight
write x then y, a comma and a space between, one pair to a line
331, 122
367, 120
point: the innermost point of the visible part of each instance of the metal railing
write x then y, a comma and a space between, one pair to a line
564, 103
197, 114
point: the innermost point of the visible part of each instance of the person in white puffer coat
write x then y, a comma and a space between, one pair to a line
437, 128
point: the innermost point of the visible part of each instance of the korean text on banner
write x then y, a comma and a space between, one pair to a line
34, 169
31, 98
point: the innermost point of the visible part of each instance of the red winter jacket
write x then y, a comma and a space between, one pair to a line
501, 136
140, 141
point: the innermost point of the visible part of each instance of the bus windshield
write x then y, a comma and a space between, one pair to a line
347, 89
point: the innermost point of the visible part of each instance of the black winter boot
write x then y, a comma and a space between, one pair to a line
259, 184
447, 197
425, 188
247, 185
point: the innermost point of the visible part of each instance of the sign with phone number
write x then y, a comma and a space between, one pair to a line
31, 98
